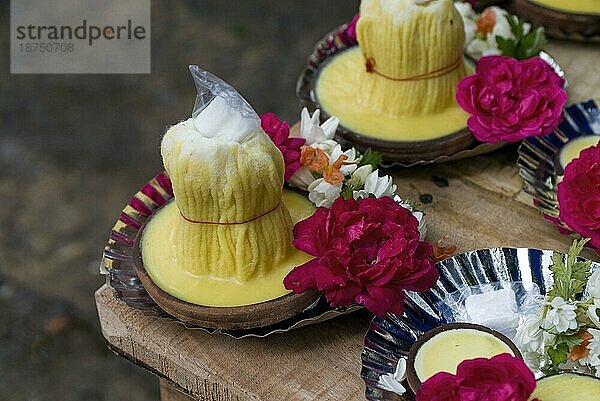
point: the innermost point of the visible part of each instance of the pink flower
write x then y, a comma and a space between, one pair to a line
579, 196
348, 36
366, 252
279, 132
510, 100
501, 378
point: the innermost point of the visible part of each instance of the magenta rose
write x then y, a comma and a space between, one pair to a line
348, 36
501, 378
366, 252
579, 196
279, 132
510, 99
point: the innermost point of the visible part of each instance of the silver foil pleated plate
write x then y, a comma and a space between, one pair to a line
118, 266
391, 338
539, 156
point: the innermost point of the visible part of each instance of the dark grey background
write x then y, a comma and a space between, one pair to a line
74, 148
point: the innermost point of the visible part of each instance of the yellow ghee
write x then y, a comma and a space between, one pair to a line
339, 87
445, 351
573, 148
572, 6
160, 255
568, 387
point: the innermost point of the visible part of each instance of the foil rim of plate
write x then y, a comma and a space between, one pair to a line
333, 43
538, 156
387, 339
118, 265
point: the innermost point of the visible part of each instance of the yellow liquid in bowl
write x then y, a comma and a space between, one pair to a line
568, 387
446, 350
159, 255
572, 6
573, 148
338, 87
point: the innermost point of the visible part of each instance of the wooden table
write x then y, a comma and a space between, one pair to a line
483, 206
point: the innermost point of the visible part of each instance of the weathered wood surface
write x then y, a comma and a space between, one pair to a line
482, 206
168, 392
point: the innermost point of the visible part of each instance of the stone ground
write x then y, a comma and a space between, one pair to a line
74, 148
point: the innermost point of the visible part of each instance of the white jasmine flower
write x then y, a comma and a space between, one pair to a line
593, 358
465, 9
468, 16
322, 193
377, 186
403, 203
470, 30
312, 131
302, 178
392, 382
502, 27
593, 285
420, 216
360, 176
326, 146
489, 46
530, 335
479, 47
350, 163
593, 311
561, 317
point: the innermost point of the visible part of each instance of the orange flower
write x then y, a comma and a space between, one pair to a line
581, 350
486, 21
317, 160
332, 173
312, 158
442, 250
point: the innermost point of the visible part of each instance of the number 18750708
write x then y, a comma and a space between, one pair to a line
46, 47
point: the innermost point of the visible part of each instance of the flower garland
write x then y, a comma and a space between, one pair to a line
496, 32
514, 94
366, 241
565, 335
365, 252
316, 162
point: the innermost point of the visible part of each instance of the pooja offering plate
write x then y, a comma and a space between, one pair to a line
542, 159
422, 122
575, 20
214, 250
389, 340
218, 253
120, 263
422, 149
243, 317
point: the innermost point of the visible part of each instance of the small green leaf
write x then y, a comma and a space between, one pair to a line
370, 157
347, 191
570, 275
506, 46
558, 354
522, 46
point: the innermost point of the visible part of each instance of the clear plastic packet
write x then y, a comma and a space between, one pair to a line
497, 305
220, 110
